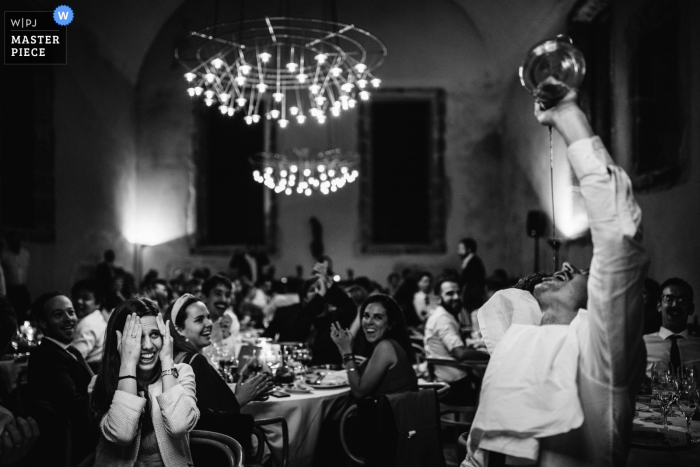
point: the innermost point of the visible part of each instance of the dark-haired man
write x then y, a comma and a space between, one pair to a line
472, 275
442, 340
57, 374
217, 292
89, 335
672, 343
578, 410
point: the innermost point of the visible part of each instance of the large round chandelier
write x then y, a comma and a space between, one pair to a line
302, 171
283, 68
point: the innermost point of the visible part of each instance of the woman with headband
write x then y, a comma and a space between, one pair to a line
220, 408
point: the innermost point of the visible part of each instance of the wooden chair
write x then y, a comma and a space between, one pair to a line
440, 388
457, 417
228, 446
262, 439
419, 352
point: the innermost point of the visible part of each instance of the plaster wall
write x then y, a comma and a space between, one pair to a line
452, 45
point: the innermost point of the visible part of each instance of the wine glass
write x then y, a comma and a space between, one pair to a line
664, 389
551, 69
688, 376
688, 404
303, 355
228, 365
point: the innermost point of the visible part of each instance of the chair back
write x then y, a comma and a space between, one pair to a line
263, 440
418, 352
228, 447
351, 412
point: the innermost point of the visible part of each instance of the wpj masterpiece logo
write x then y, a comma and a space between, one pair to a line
37, 37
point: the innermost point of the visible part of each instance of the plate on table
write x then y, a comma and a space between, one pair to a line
296, 389
327, 379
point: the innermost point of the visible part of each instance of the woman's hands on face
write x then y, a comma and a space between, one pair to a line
129, 343
257, 387
342, 338
166, 353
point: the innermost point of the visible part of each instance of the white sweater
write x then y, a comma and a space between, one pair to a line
174, 414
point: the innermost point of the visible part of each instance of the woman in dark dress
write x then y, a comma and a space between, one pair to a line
219, 407
389, 368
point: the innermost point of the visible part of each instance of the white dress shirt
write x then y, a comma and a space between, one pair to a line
441, 337
611, 348
89, 336
659, 347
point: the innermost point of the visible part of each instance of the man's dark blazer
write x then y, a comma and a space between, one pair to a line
55, 378
473, 279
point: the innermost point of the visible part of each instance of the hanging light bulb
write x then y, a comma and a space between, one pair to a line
321, 119
361, 83
208, 101
256, 118
209, 77
262, 87
241, 101
230, 111
209, 94
217, 62
336, 71
352, 102
320, 100
314, 88
360, 67
335, 111
375, 82
321, 58
240, 80
294, 110
347, 87
190, 91
292, 67
277, 96
264, 57
223, 97
189, 76
248, 119
245, 69
223, 109
274, 113
198, 90
364, 95
301, 77
301, 118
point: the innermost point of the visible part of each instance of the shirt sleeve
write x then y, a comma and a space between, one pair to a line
84, 339
178, 405
613, 349
448, 333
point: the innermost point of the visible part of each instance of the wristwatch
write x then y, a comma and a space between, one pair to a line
171, 371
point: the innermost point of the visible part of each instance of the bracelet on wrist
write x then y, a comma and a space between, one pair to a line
127, 377
351, 369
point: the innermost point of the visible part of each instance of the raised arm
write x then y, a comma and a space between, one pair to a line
619, 262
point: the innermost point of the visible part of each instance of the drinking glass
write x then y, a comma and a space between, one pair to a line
303, 355
228, 365
688, 376
688, 404
664, 389
551, 69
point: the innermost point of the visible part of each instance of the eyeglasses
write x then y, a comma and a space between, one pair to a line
669, 299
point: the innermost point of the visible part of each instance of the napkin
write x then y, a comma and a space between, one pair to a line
334, 378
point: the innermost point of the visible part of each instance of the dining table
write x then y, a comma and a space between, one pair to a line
305, 415
652, 447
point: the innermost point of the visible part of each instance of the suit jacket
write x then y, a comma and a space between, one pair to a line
473, 279
56, 379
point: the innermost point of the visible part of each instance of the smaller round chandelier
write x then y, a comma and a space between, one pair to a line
287, 69
299, 171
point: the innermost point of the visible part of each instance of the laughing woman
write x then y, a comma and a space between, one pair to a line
145, 404
389, 369
220, 408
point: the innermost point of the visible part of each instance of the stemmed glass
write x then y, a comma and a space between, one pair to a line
688, 394
228, 365
303, 355
664, 389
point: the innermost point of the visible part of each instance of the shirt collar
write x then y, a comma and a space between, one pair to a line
60, 344
665, 333
466, 260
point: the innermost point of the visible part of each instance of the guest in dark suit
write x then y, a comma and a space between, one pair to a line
472, 274
58, 377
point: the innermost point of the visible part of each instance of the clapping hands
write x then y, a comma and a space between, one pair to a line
255, 388
342, 338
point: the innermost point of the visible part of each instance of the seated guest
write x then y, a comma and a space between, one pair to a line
89, 334
389, 369
58, 375
672, 343
290, 323
421, 299
327, 303
442, 340
217, 297
219, 407
18, 433
144, 403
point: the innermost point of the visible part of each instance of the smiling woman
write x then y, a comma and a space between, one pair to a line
137, 373
389, 369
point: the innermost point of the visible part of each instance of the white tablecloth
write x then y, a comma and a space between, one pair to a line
305, 414
683, 457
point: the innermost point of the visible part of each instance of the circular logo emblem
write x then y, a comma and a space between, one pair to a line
63, 15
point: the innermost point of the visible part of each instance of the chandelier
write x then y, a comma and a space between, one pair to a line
301, 171
288, 68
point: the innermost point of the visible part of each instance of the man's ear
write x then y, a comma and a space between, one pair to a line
41, 324
658, 306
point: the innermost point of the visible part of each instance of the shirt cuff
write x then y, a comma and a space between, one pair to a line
589, 156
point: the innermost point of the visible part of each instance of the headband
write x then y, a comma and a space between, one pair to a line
178, 305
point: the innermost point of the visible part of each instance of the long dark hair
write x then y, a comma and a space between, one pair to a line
180, 344
397, 330
107, 378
